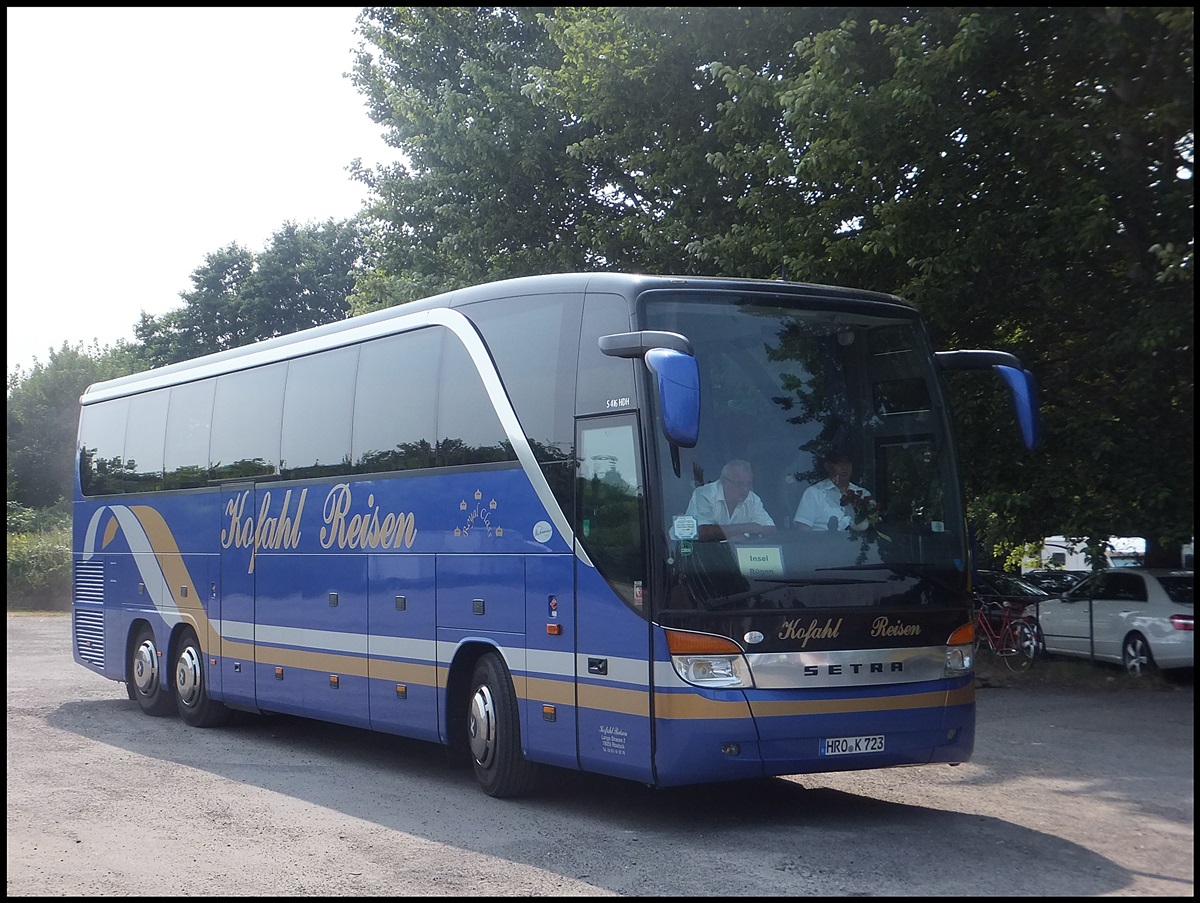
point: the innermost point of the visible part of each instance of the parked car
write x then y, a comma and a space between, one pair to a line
997, 586
1139, 618
993, 589
1054, 582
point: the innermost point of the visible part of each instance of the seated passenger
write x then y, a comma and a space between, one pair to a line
821, 505
728, 509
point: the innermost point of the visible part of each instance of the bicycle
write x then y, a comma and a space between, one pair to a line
1003, 628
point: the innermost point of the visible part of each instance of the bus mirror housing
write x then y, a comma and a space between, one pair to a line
636, 344
668, 355
1022, 384
678, 379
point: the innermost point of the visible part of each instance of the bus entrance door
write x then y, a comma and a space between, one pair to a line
612, 661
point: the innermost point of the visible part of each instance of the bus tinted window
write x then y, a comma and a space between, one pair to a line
102, 447
320, 390
610, 503
542, 330
469, 432
189, 419
246, 421
394, 419
530, 338
144, 441
605, 383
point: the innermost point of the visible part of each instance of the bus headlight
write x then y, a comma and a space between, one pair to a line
707, 660
713, 670
959, 660
960, 651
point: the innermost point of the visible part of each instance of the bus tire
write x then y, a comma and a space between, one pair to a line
144, 678
196, 707
494, 732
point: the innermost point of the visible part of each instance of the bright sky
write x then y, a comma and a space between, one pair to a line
140, 140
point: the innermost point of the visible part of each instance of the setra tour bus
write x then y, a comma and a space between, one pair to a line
468, 520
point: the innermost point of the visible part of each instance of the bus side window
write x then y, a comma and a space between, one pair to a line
102, 446
610, 498
247, 413
189, 422
394, 417
320, 390
144, 441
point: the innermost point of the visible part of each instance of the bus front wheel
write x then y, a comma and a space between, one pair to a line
143, 678
494, 732
196, 707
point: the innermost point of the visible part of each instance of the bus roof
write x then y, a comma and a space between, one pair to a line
368, 325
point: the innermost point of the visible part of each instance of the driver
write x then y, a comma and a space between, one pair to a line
728, 508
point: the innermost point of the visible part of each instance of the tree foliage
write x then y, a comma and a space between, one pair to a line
43, 419
1023, 175
487, 188
304, 277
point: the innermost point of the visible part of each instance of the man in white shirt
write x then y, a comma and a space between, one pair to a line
821, 505
727, 508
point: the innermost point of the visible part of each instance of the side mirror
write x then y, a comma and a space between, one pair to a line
678, 379
668, 355
1021, 384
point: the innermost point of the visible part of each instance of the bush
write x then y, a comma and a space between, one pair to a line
39, 568
37, 520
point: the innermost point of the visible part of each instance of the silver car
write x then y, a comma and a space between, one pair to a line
1139, 618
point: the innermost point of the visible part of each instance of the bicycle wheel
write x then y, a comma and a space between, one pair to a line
1018, 646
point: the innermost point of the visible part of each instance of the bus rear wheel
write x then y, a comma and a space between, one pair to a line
143, 678
195, 706
494, 732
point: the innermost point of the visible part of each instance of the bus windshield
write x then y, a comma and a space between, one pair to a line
786, 385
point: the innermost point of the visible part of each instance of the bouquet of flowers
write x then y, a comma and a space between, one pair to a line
866, 511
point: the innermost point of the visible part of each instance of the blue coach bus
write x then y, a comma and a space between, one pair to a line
466, 520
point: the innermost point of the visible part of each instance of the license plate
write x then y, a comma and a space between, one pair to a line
849, 746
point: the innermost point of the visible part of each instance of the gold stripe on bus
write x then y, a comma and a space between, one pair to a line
330, 662
682, 705
690, 705
932, 700
613, 699
242, 649
404, 672
543, 689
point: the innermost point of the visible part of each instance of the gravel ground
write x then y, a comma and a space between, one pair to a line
1080, 786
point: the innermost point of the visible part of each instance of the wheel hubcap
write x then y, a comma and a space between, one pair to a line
1135, 658
145, 668
481, 726
187, 676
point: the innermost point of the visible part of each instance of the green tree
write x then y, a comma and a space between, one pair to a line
1023, 175
486, 188
303, 278
43, 419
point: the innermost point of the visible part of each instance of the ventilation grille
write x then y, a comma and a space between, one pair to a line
89, 581
89, 622
89, 635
